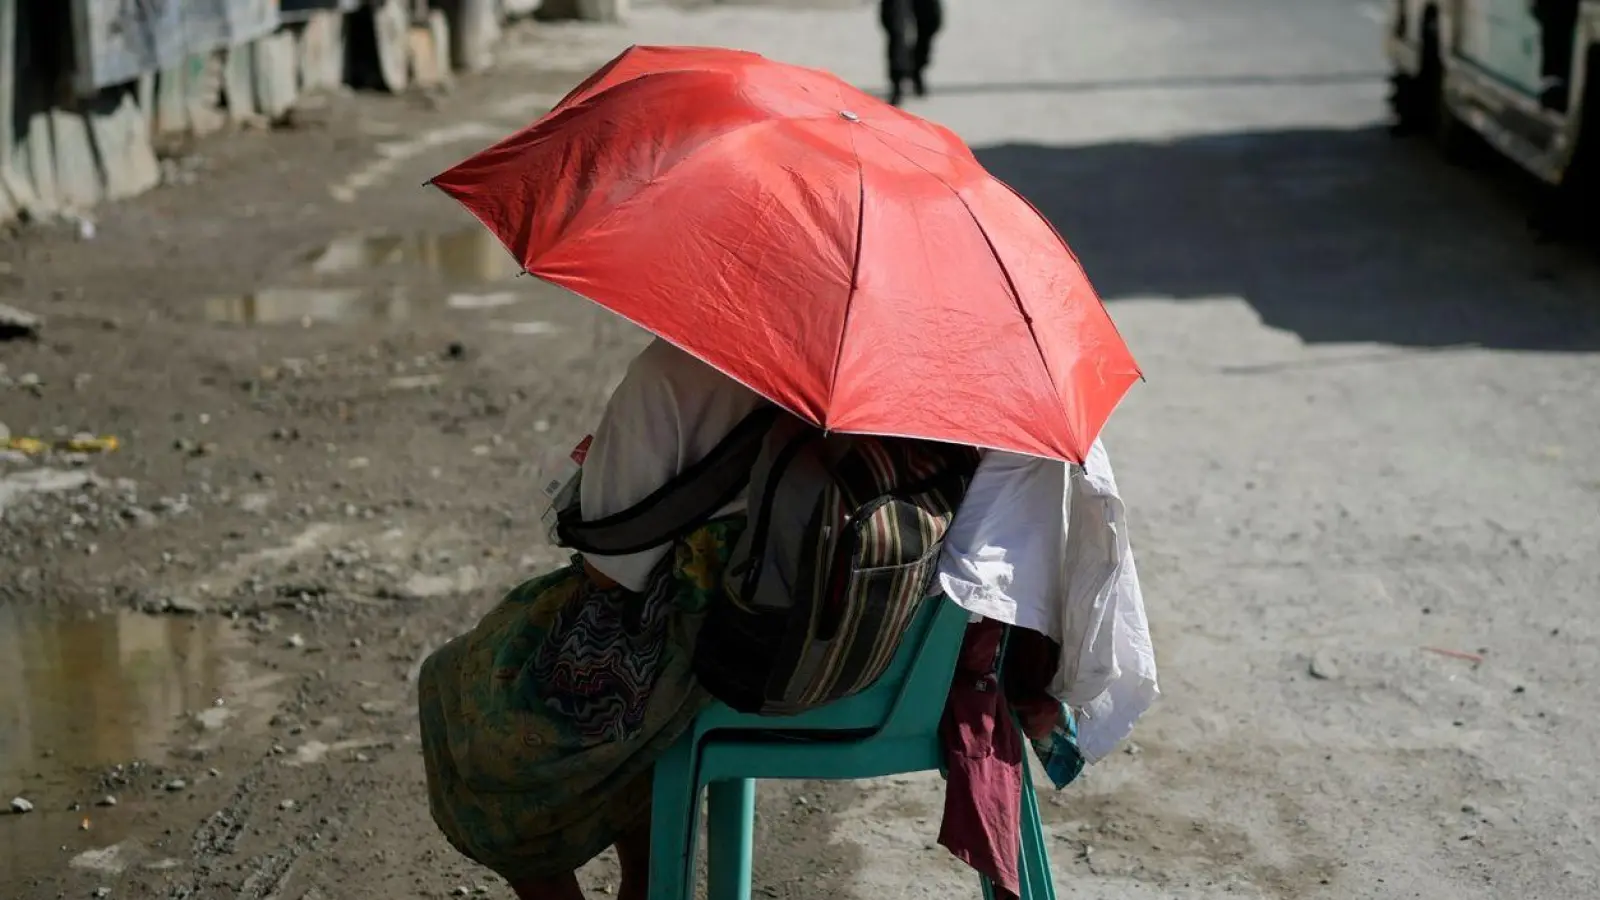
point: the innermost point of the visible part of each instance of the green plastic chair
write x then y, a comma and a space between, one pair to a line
888, 729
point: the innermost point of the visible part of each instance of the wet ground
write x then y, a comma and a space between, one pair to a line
1358, 479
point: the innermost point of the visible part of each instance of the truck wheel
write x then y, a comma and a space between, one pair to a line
1403, 105
1568, 209
1420, 103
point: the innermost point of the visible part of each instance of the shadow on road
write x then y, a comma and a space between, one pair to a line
1335, 235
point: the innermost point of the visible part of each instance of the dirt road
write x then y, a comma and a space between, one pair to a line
1365, 436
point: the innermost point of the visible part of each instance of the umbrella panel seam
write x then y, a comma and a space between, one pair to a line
1011, 287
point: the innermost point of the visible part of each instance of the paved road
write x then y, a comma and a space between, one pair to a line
1366, 430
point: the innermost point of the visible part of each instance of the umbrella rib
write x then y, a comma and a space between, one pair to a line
1011, 286
855, 271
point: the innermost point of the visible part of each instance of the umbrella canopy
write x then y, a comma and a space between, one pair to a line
845, 259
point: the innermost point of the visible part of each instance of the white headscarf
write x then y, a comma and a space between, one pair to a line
669, 412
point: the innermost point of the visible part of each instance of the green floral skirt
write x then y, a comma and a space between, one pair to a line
540, 725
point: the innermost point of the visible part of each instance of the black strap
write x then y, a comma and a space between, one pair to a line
682, 504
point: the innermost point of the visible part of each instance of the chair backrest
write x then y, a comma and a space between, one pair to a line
925, 682
907, 700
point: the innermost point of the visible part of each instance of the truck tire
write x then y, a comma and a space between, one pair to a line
1421, 103
1568, 210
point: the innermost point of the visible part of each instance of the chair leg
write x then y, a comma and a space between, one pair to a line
731, 839
1037, 881
674, 822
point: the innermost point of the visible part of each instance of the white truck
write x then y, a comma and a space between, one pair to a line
1522, 76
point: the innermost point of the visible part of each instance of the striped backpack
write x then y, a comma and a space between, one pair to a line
839, 552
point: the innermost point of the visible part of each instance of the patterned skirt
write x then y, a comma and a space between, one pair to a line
540, 725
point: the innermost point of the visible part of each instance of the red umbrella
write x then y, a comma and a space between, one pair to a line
847, 260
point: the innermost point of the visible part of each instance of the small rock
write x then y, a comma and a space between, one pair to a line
102, 892
182, 606
255, 503
20, 805
171, 505
17, 324
175, 785
462, 892
295, 642
286, 805
1323, 667
107, 800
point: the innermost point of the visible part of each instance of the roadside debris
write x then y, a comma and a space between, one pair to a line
1474, 658
20, 806
81, 443
18, 324
1323, 667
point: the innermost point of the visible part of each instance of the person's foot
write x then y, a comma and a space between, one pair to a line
918, 86
897, 93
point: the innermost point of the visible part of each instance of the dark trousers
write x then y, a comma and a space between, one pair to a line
1558, 23
908, 54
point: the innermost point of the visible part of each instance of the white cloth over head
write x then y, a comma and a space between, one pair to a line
668, 413
1036, 543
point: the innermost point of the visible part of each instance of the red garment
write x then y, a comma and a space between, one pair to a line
982, 823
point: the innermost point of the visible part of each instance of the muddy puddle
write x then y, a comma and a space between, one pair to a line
464, 255
80, 694
465, 269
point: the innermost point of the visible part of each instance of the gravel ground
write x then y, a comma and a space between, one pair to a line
1367, 523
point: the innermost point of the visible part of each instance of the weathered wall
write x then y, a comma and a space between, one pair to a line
67, 143
68, 149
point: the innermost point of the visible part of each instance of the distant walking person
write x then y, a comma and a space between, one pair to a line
908, 56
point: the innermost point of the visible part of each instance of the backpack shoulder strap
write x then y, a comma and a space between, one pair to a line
682, 504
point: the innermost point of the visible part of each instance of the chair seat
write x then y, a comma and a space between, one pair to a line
890, 728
